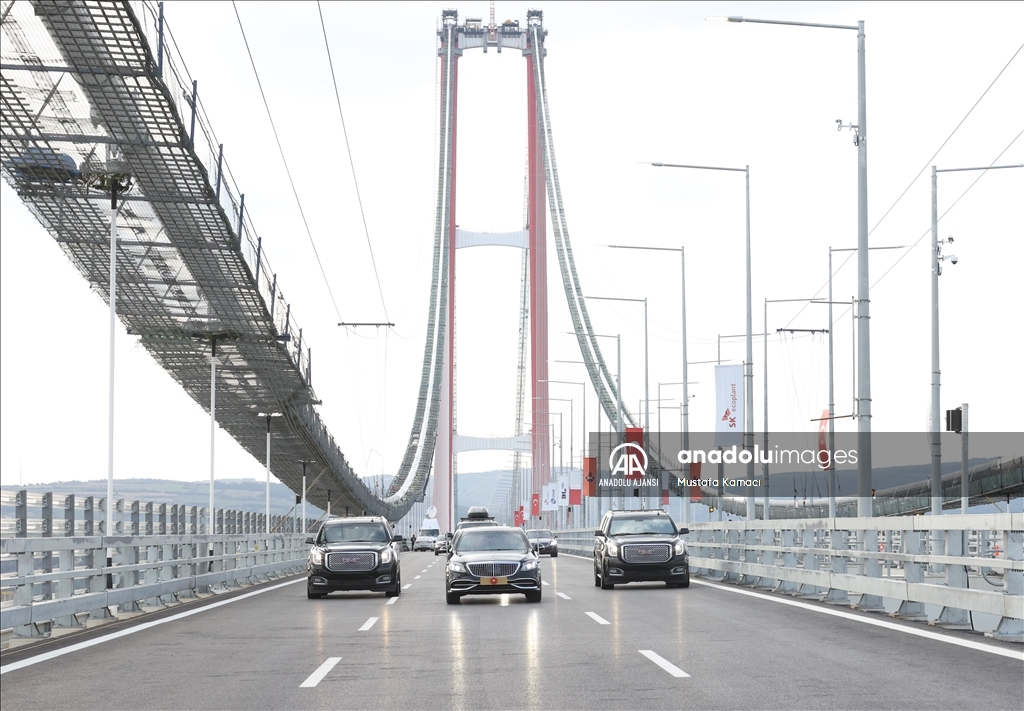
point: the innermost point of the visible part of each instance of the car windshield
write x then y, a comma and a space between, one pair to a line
488, 540
431, 532
539, 534
640, 524
355, 532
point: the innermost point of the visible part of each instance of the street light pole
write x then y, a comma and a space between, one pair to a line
686, 396
748, 366
863, 286
114, 209
936, 270
647, 392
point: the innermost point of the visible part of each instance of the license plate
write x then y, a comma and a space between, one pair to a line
494, 581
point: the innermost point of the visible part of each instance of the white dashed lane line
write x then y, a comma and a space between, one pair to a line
322, 671
544, 582
406, 586
564, 596
597, 618
392, 601
417, 577
664, 664
368, 624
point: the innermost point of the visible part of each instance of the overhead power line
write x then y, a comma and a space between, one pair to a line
924, 168
284, 160
352, 163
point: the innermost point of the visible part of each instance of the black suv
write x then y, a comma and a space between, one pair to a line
353, 554
633, 546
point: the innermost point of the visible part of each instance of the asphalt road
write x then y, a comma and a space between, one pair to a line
640, 646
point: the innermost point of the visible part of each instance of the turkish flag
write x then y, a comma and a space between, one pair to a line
695, 493
590, 476
824, 456
535, 505
575, 497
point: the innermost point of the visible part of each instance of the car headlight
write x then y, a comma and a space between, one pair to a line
680, 547
386, 556
457, 567
316, 556
530, 564
612, 548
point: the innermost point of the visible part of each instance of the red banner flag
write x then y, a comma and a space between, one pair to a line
695, 492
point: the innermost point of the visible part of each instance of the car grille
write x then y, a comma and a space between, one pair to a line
351, 562
646, 552
493, 570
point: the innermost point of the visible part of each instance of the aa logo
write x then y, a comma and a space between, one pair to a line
628, 460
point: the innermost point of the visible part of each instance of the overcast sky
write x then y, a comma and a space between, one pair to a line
628, 83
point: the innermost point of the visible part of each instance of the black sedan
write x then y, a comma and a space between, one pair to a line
544, 542
491, 560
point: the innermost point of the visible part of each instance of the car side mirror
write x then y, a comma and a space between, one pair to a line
683, 531
534, 546
599, 533
309, 541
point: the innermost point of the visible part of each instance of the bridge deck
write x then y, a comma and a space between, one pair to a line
581, 647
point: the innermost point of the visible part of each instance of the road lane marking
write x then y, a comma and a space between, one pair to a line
544, 582
425, 569
564, 596
664, 664
406, 586
417, 577
322, 671
392, 601
597, 618
21, 664
990, 648
368, 624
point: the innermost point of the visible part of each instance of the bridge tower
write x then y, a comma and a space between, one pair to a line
454, 40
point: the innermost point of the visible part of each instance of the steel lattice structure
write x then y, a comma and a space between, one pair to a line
89, 89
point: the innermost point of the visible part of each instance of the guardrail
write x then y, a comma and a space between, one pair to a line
51, 513
68, 582
912, 561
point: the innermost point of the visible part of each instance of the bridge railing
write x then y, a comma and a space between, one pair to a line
66, 583
25, 513
956, 564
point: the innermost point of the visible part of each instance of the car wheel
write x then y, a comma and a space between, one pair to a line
396, 591
452, 598
597, 578
312, 595
435, 552
605, 585
534, 596
686, 579
555, 554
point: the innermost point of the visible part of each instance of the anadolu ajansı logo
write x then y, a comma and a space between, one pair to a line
628, 460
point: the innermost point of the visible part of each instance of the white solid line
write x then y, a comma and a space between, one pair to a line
664, 664
406, 586
368, 624
417, 577
145, 626
597, 618
392, 601
544, 582
322, 671
990, 648
564, 596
